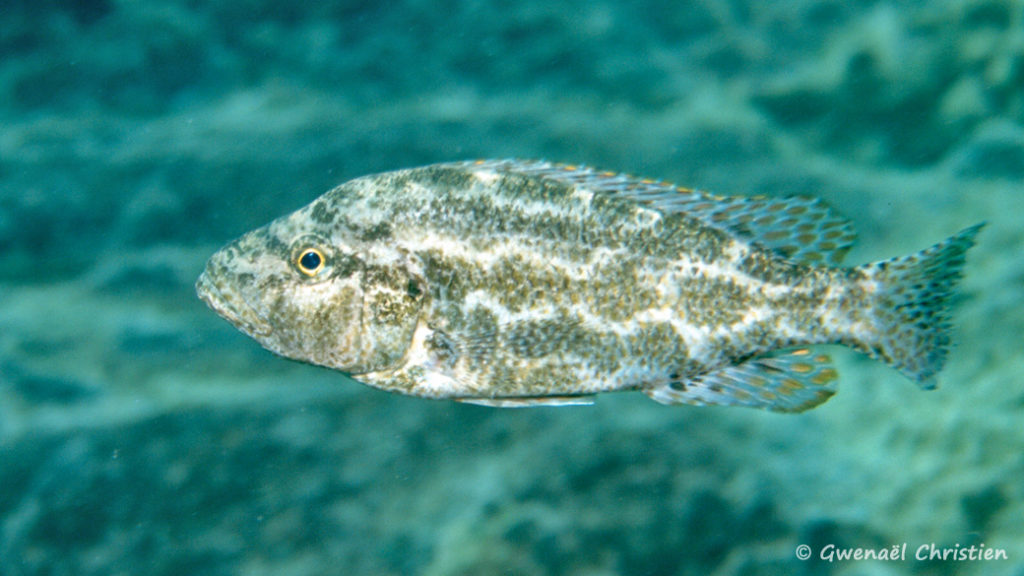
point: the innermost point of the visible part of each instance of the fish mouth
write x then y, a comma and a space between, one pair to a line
231, 306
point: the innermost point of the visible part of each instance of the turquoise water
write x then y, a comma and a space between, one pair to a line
142, 434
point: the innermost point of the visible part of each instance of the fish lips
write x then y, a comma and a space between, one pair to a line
233, 307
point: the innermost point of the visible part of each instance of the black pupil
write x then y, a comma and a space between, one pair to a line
310, 260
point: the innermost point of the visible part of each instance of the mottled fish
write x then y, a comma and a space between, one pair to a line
516, 283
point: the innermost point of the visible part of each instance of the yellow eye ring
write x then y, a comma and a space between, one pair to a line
310, 261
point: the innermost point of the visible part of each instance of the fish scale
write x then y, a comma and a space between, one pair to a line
522, 283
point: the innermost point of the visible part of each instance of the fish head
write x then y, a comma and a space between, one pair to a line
320, 297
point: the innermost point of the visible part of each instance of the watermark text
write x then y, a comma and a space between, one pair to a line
903, 552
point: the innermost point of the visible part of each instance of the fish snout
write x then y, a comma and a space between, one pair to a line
216, 288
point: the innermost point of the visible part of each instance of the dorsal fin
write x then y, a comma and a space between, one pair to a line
801, 229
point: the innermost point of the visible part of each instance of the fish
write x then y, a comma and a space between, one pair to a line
513, 283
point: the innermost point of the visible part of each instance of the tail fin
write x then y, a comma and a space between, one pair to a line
911, 316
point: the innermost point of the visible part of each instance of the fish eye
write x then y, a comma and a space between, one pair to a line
310, 261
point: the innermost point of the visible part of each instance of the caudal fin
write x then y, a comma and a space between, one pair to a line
911, 316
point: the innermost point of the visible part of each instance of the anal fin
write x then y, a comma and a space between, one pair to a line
792, 381
528, 401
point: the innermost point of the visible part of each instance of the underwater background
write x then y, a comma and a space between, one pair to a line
142, 434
